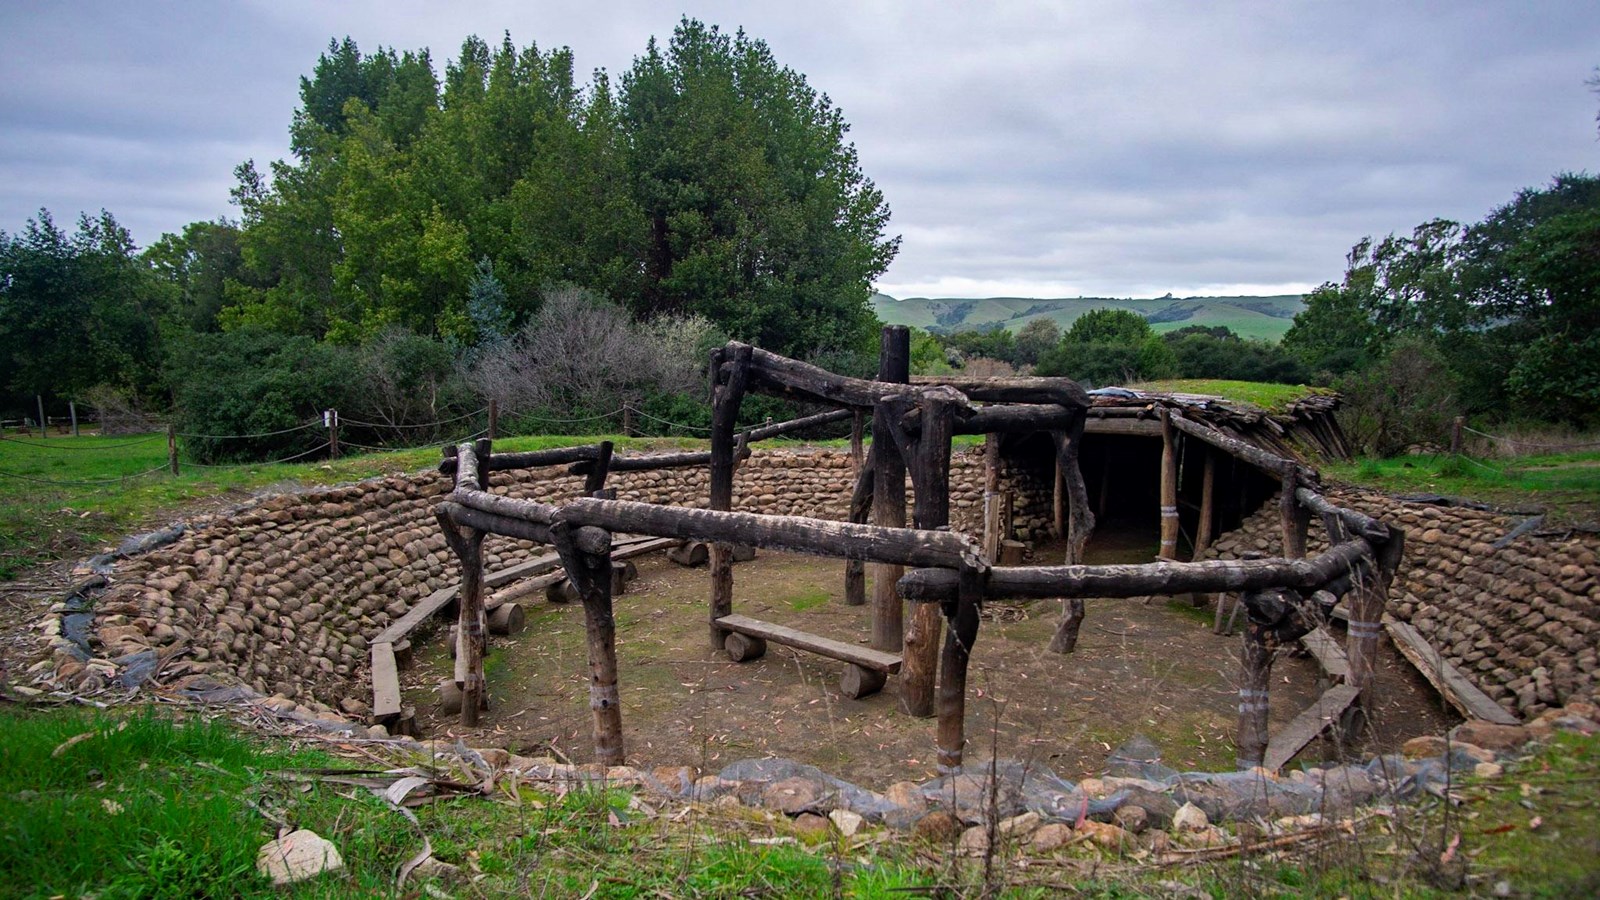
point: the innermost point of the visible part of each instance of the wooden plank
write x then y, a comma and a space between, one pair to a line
1445, 677
1312, 721
385, 682
865, 657
1139, 427
1322, 645
407, 623
537, 566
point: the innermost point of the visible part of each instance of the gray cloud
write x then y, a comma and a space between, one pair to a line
1026, 148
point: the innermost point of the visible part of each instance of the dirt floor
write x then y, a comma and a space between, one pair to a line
1140, 668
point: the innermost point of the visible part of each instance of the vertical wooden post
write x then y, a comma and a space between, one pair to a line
493, 430
958, 644
889, 490
1456, 427
44, 424
595, 481
1256, 662
1208, 514
1058, 500
627, 420
1080, 523
470, 638
330, 418
1169, 488
1367, 603
726, 398
590, 573
855, 579
1294, 517
991, 498
72, 410
931, 477
172, 448
858, 425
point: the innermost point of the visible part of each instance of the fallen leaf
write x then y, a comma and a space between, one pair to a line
69, 742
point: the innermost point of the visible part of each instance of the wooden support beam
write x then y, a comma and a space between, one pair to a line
591, 574
959, 640
1017, 419
1448, 680
726, 398
1133, 427
1367, 604
1208, 514
991, 497
855, 579
1293, 517
595, 479
1312, 721
929, 585
1169, 489
470, 622
1255, 663
532, 459
1250, 453
1080, 524
1057, 392
889, 490
929, 459
385, 683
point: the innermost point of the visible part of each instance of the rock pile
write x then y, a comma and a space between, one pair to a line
1521, 619
284, 593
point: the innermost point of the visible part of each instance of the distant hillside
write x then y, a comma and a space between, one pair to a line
1254, 317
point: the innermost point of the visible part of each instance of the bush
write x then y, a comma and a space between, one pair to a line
252, 382
1407, 398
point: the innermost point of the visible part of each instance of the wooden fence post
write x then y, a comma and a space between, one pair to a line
72, 410
1456, 427
330, 418
726, 398
172, 448
494, 419
44, 424
889, 490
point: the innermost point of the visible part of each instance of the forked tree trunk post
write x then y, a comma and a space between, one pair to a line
889, 490
590, 573
1080, 523
1255, 658
855, 579
958, 644
931, 478
726, 398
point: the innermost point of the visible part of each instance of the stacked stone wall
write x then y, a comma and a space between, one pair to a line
285, 593
1522, 621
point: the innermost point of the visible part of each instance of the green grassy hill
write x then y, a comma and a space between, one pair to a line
1253, 317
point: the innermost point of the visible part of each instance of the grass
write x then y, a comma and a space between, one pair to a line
810, 598
1565, 486
1270, 397
63, 496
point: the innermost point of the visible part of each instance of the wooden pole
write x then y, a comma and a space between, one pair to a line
1169, 489
494, 419
958, 644
590, 573
44, 425
470, 620
1295, 518
172, 448
1208, 500
858, 426
855, 578
726, 398
991, 497
331, 419
1080, 523
595, 480
72, 410
1367, 603
1255, 659
931, 478
1456, 427
889, 490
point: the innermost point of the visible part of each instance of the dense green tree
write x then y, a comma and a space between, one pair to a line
1035, 339
76, 312
1108, 326
758, 213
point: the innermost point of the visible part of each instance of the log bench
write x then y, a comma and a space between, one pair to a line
866, 674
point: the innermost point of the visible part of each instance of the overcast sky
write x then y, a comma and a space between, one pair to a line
1025, 148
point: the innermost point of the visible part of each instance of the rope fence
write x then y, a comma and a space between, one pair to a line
1537, 445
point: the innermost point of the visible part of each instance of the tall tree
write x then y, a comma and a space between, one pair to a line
759, 214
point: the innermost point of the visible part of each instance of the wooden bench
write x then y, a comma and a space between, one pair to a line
868, 668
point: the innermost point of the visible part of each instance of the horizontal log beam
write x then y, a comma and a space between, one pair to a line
812, 421
1248, 452
1021, 389
1212, 576
532, 459
590, 540
1358, 523
1017, 418
1135, 427
511, 507
839, 540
